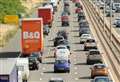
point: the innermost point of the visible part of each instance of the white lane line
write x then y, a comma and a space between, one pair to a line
40, 79
76, 79
75, 68
42, 73
43, 68
76, 73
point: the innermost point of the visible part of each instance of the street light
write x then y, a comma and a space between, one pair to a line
111, 12
104, 15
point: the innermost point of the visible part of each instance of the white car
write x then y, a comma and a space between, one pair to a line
60, 47
84, 37
62, 54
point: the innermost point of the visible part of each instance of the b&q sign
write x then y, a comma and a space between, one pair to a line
31, 35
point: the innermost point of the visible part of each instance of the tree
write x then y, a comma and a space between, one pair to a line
10, 7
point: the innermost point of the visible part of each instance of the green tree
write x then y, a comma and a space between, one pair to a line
10, 7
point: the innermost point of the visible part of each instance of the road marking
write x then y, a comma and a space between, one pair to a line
75, 68
42, 73
76, 73
76, 79
40, 79
43, 68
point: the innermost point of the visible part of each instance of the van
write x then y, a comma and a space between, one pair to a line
23, 66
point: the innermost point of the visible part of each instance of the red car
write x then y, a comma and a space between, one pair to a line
65, 20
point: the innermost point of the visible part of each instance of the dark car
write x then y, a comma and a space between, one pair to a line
63, 33
46, 30
94, 56
58, 38
33, 63
66, 9
64, 42
37, 55
118, 23
81, 15
65, 20
83, 23
84, 30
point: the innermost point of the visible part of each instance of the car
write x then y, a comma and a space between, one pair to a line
115, 21
63, 33
37, 55
64, 51
77, 10
83, 23
81, 15
108, 12
56, 80
118, 23
46, 29
84, 37
56, 40
84, 30
90, 44
65, 20
99, 70
101, 79
61, 65
33, 63
64, 14
66, 9
66, 4
64, 42
94, 56
59, 47
116, 7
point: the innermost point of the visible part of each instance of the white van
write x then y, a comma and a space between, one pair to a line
23, 66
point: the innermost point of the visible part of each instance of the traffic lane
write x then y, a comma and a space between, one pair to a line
46, 72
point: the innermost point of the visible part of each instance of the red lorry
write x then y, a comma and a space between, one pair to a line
32, 35
47, 15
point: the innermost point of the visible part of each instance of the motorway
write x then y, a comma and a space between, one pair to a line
80, 72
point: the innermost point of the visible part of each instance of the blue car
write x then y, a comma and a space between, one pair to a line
101, 79
62, 65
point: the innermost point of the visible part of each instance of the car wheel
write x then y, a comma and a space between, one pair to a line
55, 71
68, 71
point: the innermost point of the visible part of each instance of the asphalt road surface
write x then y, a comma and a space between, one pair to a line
79, 71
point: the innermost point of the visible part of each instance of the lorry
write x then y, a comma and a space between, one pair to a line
11, 19
8, 70
23, 68
46, 14
32, 36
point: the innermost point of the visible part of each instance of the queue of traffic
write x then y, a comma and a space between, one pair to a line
33, 32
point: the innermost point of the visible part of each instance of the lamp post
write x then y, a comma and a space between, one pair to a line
111, 13
104, 15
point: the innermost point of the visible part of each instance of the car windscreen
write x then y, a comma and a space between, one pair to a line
90, 40
94, 52
60, 61
101, 80
100, 66
61, 48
